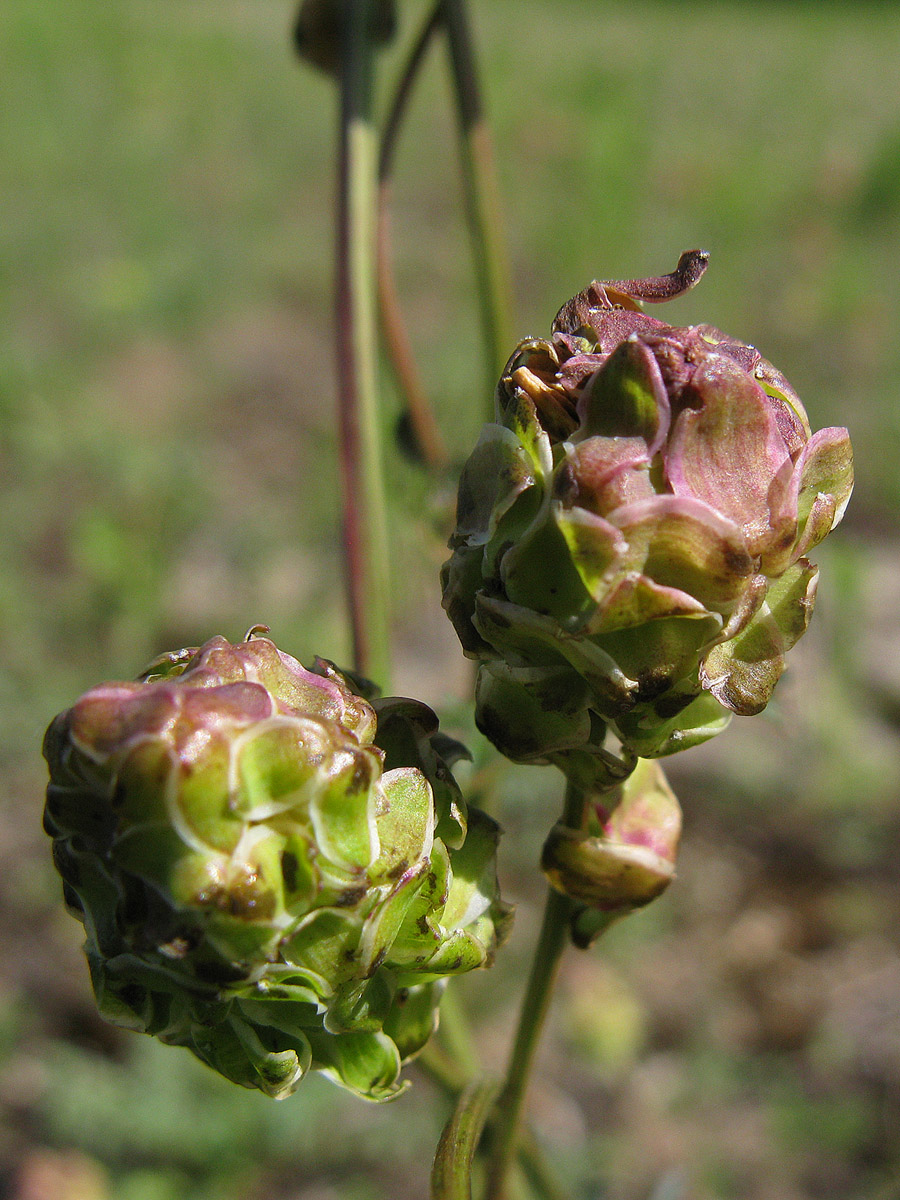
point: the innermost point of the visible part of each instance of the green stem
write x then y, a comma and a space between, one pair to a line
365, 525
552, 941
482, 196
446, 1074
442, 1070
457, 1034
541, 1180
451, 1175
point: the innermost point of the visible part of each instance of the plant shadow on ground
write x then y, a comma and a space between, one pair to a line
167, 442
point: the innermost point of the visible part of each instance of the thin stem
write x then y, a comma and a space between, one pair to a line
365, 529
457, 1034
482, 196
445, 1073
552, 941
442, 1070
423, 424
542, 1181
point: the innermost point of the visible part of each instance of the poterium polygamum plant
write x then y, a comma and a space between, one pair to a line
270, 869
630, 558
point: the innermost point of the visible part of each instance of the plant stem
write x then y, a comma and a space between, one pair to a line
552, 941
423, 424
442, 1070
482, 196
365, 526
456, 1032
541, 1180
446, 1074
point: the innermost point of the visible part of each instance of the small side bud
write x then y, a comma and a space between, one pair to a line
623, 860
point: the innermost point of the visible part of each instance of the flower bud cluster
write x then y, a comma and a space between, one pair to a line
270, 870
629, 562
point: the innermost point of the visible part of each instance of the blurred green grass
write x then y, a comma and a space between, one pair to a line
167, 452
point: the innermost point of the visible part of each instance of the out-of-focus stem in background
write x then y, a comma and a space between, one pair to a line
483, 209
483, 217
364, 516
423, 424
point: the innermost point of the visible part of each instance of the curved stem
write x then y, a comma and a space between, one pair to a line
552, 941
446, 1074
365, 527
482, 196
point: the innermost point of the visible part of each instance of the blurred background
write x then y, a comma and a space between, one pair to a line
168, 472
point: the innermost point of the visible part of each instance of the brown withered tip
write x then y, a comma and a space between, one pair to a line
630, 293
691, 267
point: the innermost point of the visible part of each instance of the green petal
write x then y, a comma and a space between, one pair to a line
408, 734
498, 470
509, 531
461, 580
298, 874
523, 637
237, 1051
742, 673
680, 542
538, 572
326, 943
98, 894
131, 1008
529, 714
596, 548
627, 398
474, 883
146, 785
635, 600
274, 762
457, 954
649, 736
729, 451
199, 801
343, 809
824, 480
421, 932
157, 853
292, 1018
384, 924
367, 1064
361, 1005
521, 418
413, 1018
81, 810
659, 653
405, 821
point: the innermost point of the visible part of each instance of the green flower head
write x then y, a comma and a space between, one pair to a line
630, 561
270, 869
